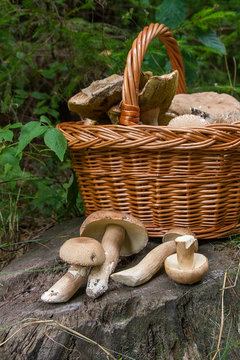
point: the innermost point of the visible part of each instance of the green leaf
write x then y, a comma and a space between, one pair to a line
44, 119
48, 74
53, 112
210, 39
28, 132
16, 125
39, 95
56, 141
6, 134
10, 160
9, 156
171, 12
41, 110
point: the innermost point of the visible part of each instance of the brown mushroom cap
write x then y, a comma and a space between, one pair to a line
199, 270
175, 232
136, 236
159, 92
94, 101
83, 251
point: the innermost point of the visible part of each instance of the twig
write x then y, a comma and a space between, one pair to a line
235, 74
235, 281
56, 323
222, 316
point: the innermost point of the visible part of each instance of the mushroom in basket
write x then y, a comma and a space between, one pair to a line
155, 97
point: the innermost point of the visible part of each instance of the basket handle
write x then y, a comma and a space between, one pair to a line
130, 113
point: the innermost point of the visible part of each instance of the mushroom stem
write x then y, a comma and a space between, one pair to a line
112, 241
150, 117
149, 265
66, 287
185, 251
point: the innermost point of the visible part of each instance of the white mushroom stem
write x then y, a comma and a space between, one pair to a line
66, 287
185, 251
149, 266
112, 241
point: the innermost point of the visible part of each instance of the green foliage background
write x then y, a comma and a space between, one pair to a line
49, 50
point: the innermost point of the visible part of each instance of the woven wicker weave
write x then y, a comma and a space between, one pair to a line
164, 176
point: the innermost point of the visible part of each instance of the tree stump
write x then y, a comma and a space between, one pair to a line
158, 320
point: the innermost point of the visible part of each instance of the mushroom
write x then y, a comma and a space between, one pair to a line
217, 108
187, 120
120, 234
155, 97
153, 261
94, 101
80, 252
186, 267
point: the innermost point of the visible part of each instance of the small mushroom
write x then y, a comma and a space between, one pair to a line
175, 232
94, 101
153, 261
188, 121
186, 267
80, 252
120, 234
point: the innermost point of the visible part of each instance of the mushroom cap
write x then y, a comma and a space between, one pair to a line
158, 92
175, 232
136, 236
83, 251
199, 270
94, 101
188, 121
218, 108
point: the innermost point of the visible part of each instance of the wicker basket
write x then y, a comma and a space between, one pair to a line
164, 176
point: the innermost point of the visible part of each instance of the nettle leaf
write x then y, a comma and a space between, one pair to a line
210, 39
171, 12
28, 132
56, 141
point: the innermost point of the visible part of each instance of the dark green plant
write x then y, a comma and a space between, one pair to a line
50, 49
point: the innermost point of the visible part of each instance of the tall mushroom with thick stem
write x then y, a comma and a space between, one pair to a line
153, 261
81, 253
120, 234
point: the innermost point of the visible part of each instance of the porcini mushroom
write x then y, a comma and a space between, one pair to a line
94, 101
216, 108
81, 253
120, 234
186, 267
153, 261
155, 97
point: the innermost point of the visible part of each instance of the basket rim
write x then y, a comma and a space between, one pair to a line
215, 137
